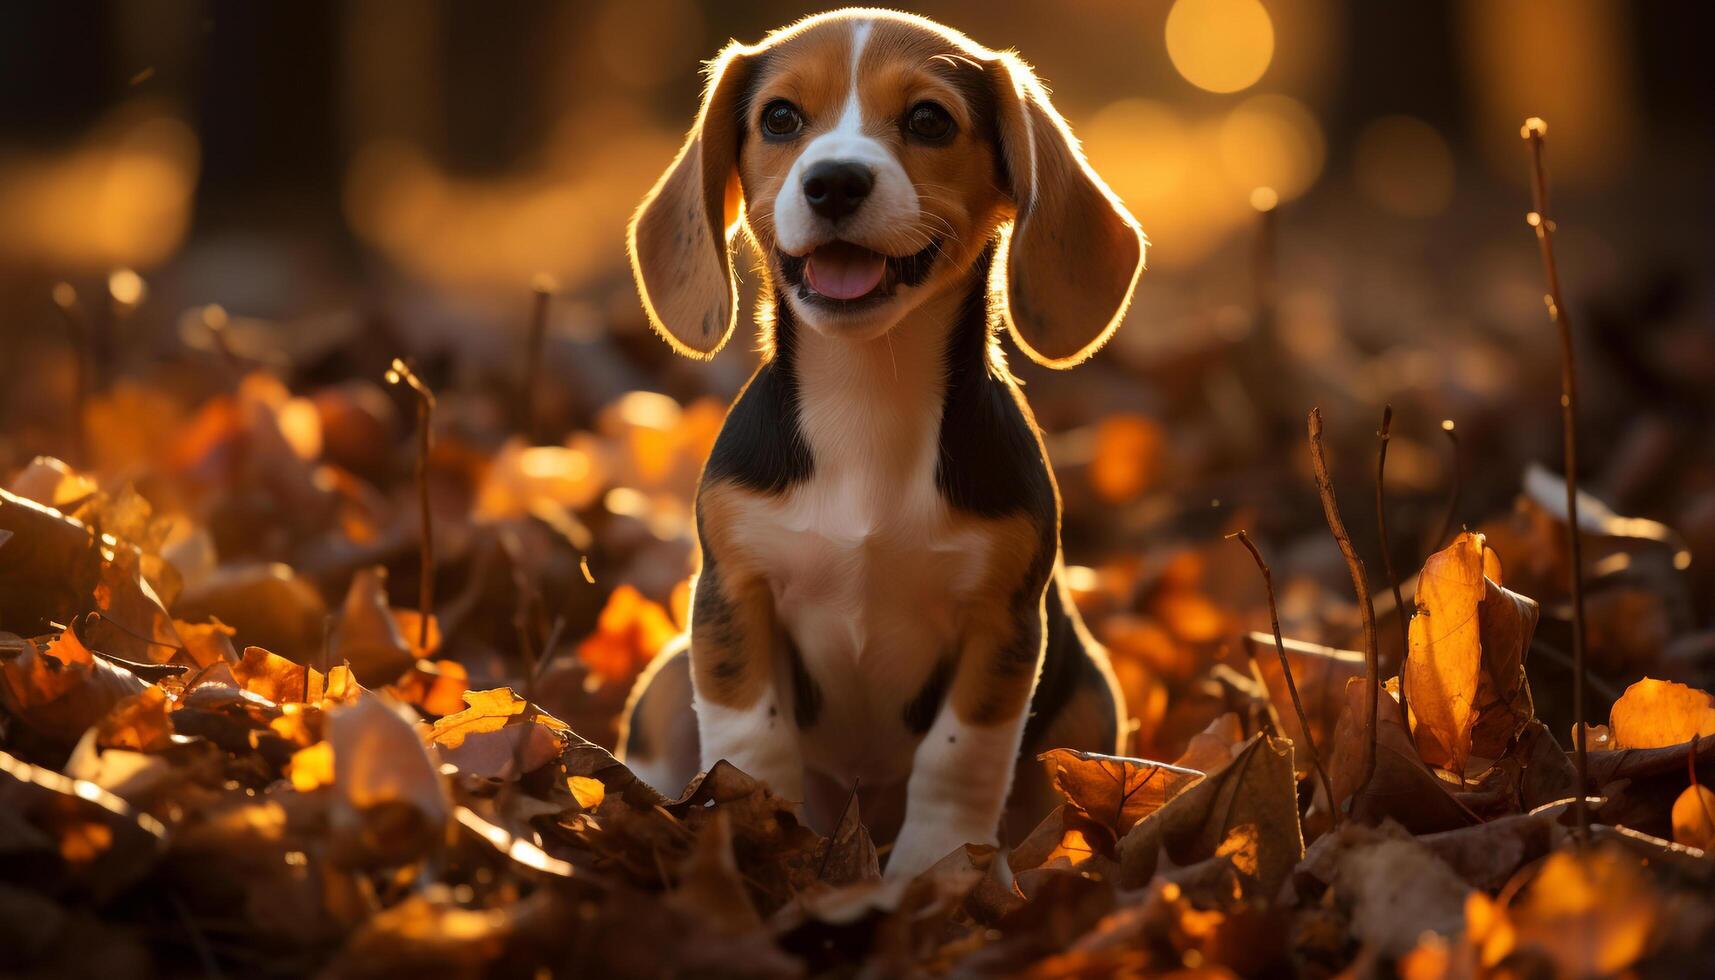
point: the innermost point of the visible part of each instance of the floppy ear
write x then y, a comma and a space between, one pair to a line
1074, 253
680, 239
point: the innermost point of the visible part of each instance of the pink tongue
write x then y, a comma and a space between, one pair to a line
844, 273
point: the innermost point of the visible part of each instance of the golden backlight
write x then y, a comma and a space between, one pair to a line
1220, 45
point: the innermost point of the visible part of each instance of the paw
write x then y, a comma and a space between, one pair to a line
920, 847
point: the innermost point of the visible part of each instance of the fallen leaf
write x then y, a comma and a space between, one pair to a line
437, 687
629, 633
392, 804
60, 691
1694, 818
1396, 889
133, 623
1403, 787
1116, 791
141, 723
1246, 812
205, 643
1320, 672
368, 637
499, 736
266, 604
1654, 714
1464, 672
276, 678
1127, 456
72, 831
1589, 913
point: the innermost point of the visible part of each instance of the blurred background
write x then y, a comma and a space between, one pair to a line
192, 193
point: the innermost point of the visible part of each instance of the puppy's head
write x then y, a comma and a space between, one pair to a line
871, 157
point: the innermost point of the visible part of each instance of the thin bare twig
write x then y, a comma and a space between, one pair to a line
530, 396
1387, 561
1286, 671
1452, 433
1533, 131
401, 373
1361, 585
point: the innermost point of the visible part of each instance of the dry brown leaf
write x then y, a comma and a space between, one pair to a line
499, 736
1403, 787
1246, 812
276, 678
1465, 669
1654, 714
1116, 791
141, 722
93, 840
267, 604
133, 623
1212, 748
710, 886
1397, 890
205, 643
368, 636
392, 803
1321, 673
62, 690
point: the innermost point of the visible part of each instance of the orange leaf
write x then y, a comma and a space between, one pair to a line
1694, 817
437, 686
311, 767
1590, 912
1127, 459
276, 678
140, 722
1116, 791
368, 636
1654, 714
1465, 664
206, 643
629, 633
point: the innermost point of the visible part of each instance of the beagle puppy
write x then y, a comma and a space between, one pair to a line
880, 607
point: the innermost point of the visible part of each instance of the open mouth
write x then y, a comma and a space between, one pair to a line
843, 274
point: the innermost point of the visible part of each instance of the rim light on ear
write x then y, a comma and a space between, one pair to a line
655, 322
999, 298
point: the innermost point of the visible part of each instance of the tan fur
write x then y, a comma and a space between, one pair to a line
994, 679
733, 656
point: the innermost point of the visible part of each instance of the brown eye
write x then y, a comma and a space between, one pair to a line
928, 121
781, 119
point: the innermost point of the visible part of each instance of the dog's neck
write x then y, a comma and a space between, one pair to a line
876, 405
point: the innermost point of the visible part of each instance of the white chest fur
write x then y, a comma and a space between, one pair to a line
868, 568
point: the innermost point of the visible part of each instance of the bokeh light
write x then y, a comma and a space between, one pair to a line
1220, 45
122, 196
1568, 61
1403, 165
1272, 141
1148, 152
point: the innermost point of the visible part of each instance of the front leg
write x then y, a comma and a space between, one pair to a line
736, 645
963, 768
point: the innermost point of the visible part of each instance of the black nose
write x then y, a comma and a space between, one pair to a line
834, 189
